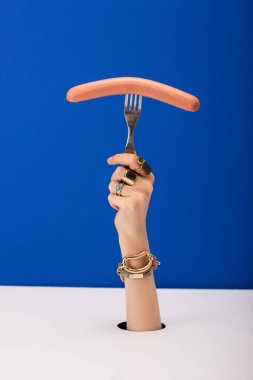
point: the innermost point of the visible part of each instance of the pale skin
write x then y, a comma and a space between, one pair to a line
142, 307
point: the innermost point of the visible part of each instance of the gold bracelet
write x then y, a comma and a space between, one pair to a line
124, 271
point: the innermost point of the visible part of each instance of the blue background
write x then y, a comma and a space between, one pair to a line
56, 225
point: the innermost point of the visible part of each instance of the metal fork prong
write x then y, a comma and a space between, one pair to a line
132, 116
131, 103
126, 102
140, 102
135, 101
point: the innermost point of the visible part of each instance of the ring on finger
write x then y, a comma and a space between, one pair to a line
129, 177
118, 188
142, 163
137, 170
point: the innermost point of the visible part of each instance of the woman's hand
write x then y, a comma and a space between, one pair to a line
132, 204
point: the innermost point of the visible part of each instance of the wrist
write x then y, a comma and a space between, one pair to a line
133, 244
133, 232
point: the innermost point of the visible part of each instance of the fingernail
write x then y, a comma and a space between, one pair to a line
109, 159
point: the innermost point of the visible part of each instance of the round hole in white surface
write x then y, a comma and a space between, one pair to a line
123, 325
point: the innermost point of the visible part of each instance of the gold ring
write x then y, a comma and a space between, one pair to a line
129, 177
138, 167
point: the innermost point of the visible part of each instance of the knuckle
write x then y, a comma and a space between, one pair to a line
148, 188
114, 176
121, 171
151, 177
151, 187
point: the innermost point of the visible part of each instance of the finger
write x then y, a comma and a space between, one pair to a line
115, 207
116, 201
129, 159
126, 190
118, 174
120, 171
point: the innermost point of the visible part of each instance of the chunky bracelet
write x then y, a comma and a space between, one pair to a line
124, 271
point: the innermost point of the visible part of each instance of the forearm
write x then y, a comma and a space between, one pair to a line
132, 203
142, 307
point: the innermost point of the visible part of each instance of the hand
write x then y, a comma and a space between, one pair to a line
132, 204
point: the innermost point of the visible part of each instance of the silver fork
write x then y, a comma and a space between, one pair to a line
132, 114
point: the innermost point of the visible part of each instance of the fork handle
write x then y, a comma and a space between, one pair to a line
129, 150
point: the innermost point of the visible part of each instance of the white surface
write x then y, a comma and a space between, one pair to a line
71, 333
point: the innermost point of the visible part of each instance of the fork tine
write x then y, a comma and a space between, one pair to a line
130, 103
135, 101
126, 102
140, 102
